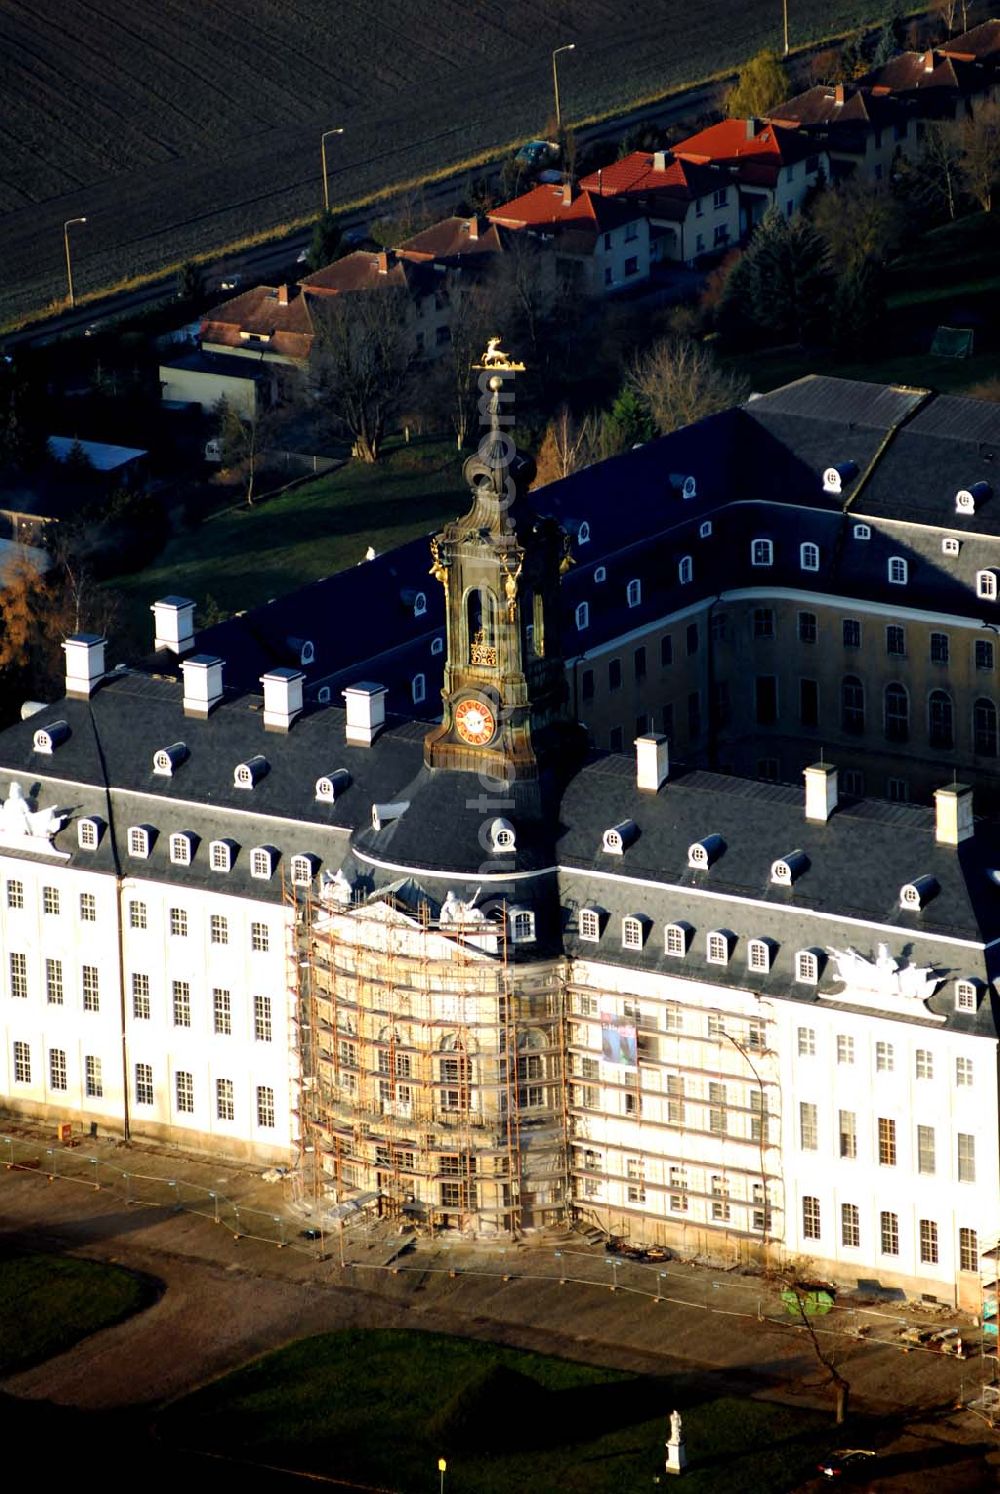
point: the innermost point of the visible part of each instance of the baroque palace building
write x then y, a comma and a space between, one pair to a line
491, 974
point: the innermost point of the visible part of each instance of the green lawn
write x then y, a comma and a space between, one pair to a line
382, 1407
247, 556
49, 1302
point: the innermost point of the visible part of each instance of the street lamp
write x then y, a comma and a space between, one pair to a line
569, 47
322, 146
69, 263
784, 11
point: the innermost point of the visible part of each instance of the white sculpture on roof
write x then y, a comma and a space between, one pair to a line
335, 888
17, 818
454, 911
884, 976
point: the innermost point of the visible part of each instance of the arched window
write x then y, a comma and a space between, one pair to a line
583, 534
418, 686
940, 719
809, 556
899, 570
437, 645
481, 625
634, 593
984, 728
582, 616
897, 713
685, 570
761, 552
420, 604
852, 704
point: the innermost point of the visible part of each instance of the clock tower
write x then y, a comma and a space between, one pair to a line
505, 700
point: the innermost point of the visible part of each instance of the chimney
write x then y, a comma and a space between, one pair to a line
474, 226
84, 664
567, 191
173, 624
929, 60
652, 762
953, 814
282, 295
202, 684
659, 160
838, 94
821, 790
365, 712
382, 261
282, 698
751, 128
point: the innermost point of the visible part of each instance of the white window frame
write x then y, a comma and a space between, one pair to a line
675, 934
862, 532
633, 592
437, 646
420, 604
717, 947
138, 842
180, 848
807, 967
809, 556
761, 552
986, 586
301, 870
950, 545
633, 933
583, 534
522, 926
582, 616
220, 856
600, 574
898, 570
685, 570
590, 925
759, 954
965, 996
418, 689
88, 834
262, 863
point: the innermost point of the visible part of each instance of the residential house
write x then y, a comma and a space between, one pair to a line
691, 208
426, 282
601, 243
459, 243
270, 323
861, 129
767, 167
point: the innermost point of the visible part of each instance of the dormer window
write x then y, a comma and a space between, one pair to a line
787, 868
617, 840
705, 532
809, 556
583, 534
418, 689
167, 760
582, 616
836, 476
138, 841
600, 574
899, 570
760, 953
522, 926
249, 773
88, 833
420, 604
703, 852
761, 552
48, 738
718, 947
807, 967
302, 869
918, 893
323, 693
220, 855
502, 837
437, 646
689, 487
968, 500
685, 570
181, 848
330, 787
590, 925
966, 995
633, 933
633, 593
307, 652
262, 859
676, 939
986, 585
862, 532
950, 546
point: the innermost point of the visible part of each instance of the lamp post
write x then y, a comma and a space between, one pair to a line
69, 263
442, 1470
569, 47
322, 148
784, 12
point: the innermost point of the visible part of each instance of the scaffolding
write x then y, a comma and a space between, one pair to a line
432, 1079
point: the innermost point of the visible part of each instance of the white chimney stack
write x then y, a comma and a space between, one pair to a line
821, 790
282, 698
652, 762
173, 624
953, 814
365, 712
202, 684
84, 664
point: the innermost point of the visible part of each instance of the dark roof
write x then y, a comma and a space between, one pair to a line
228, 365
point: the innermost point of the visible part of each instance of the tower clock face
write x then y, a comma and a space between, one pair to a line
475, 722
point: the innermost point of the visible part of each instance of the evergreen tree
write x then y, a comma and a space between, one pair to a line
780, 290
858, 307
324, 245
190, 285
761, 84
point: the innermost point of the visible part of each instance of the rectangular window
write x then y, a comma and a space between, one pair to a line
928, 1242
763, 622
984, 654
925, 1150
678, 1190
222, 1012
694, 715
851, 632
766, 699
939, 648
691, 639
968, 1250
265, 1105
262, 1019
717, 1121
963, 1073
758, 1115
219, 929
19, 976
225, 1102
260, 939
91, 989
889, 1231
666, 651
848, 1128
615, 674
178, 922
807, 627
966, 1158
22, 1063
639, 663
57, 1068
895, 641
675, 1099
15, 894
845, 1049
886, 1142
850, 1225
184, 1091
810, 1218
807, 1042
182, 1003
144, 1084
50, 900
137, 917
808, 702
587, 684
885, 1059
140, 996
720, 1199
93, 1082
88, 907
634, 1172
54, 982
925, 1063
808, 1126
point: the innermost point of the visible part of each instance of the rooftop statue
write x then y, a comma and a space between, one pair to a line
884, 975
495, 358
18, 818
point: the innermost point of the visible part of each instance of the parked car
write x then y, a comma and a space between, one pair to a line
231, 283
849, 1464
537, 153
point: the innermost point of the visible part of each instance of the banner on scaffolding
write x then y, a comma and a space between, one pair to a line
618, 1041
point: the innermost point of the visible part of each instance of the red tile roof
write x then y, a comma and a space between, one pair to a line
843, 114
664, 185
931, 78
452, 239
362, 270
275, 318
981, 44
555, 207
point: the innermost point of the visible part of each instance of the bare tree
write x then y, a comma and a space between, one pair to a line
824, 1357
243, 439
938, 178
679, 382
860, 221
523, 293
39, 609
945, 11
360, 362
566, 446
476, 315
979, 164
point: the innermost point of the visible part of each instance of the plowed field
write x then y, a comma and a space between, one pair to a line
176, 125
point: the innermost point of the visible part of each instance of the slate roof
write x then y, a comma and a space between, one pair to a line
225, 365
982, 44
